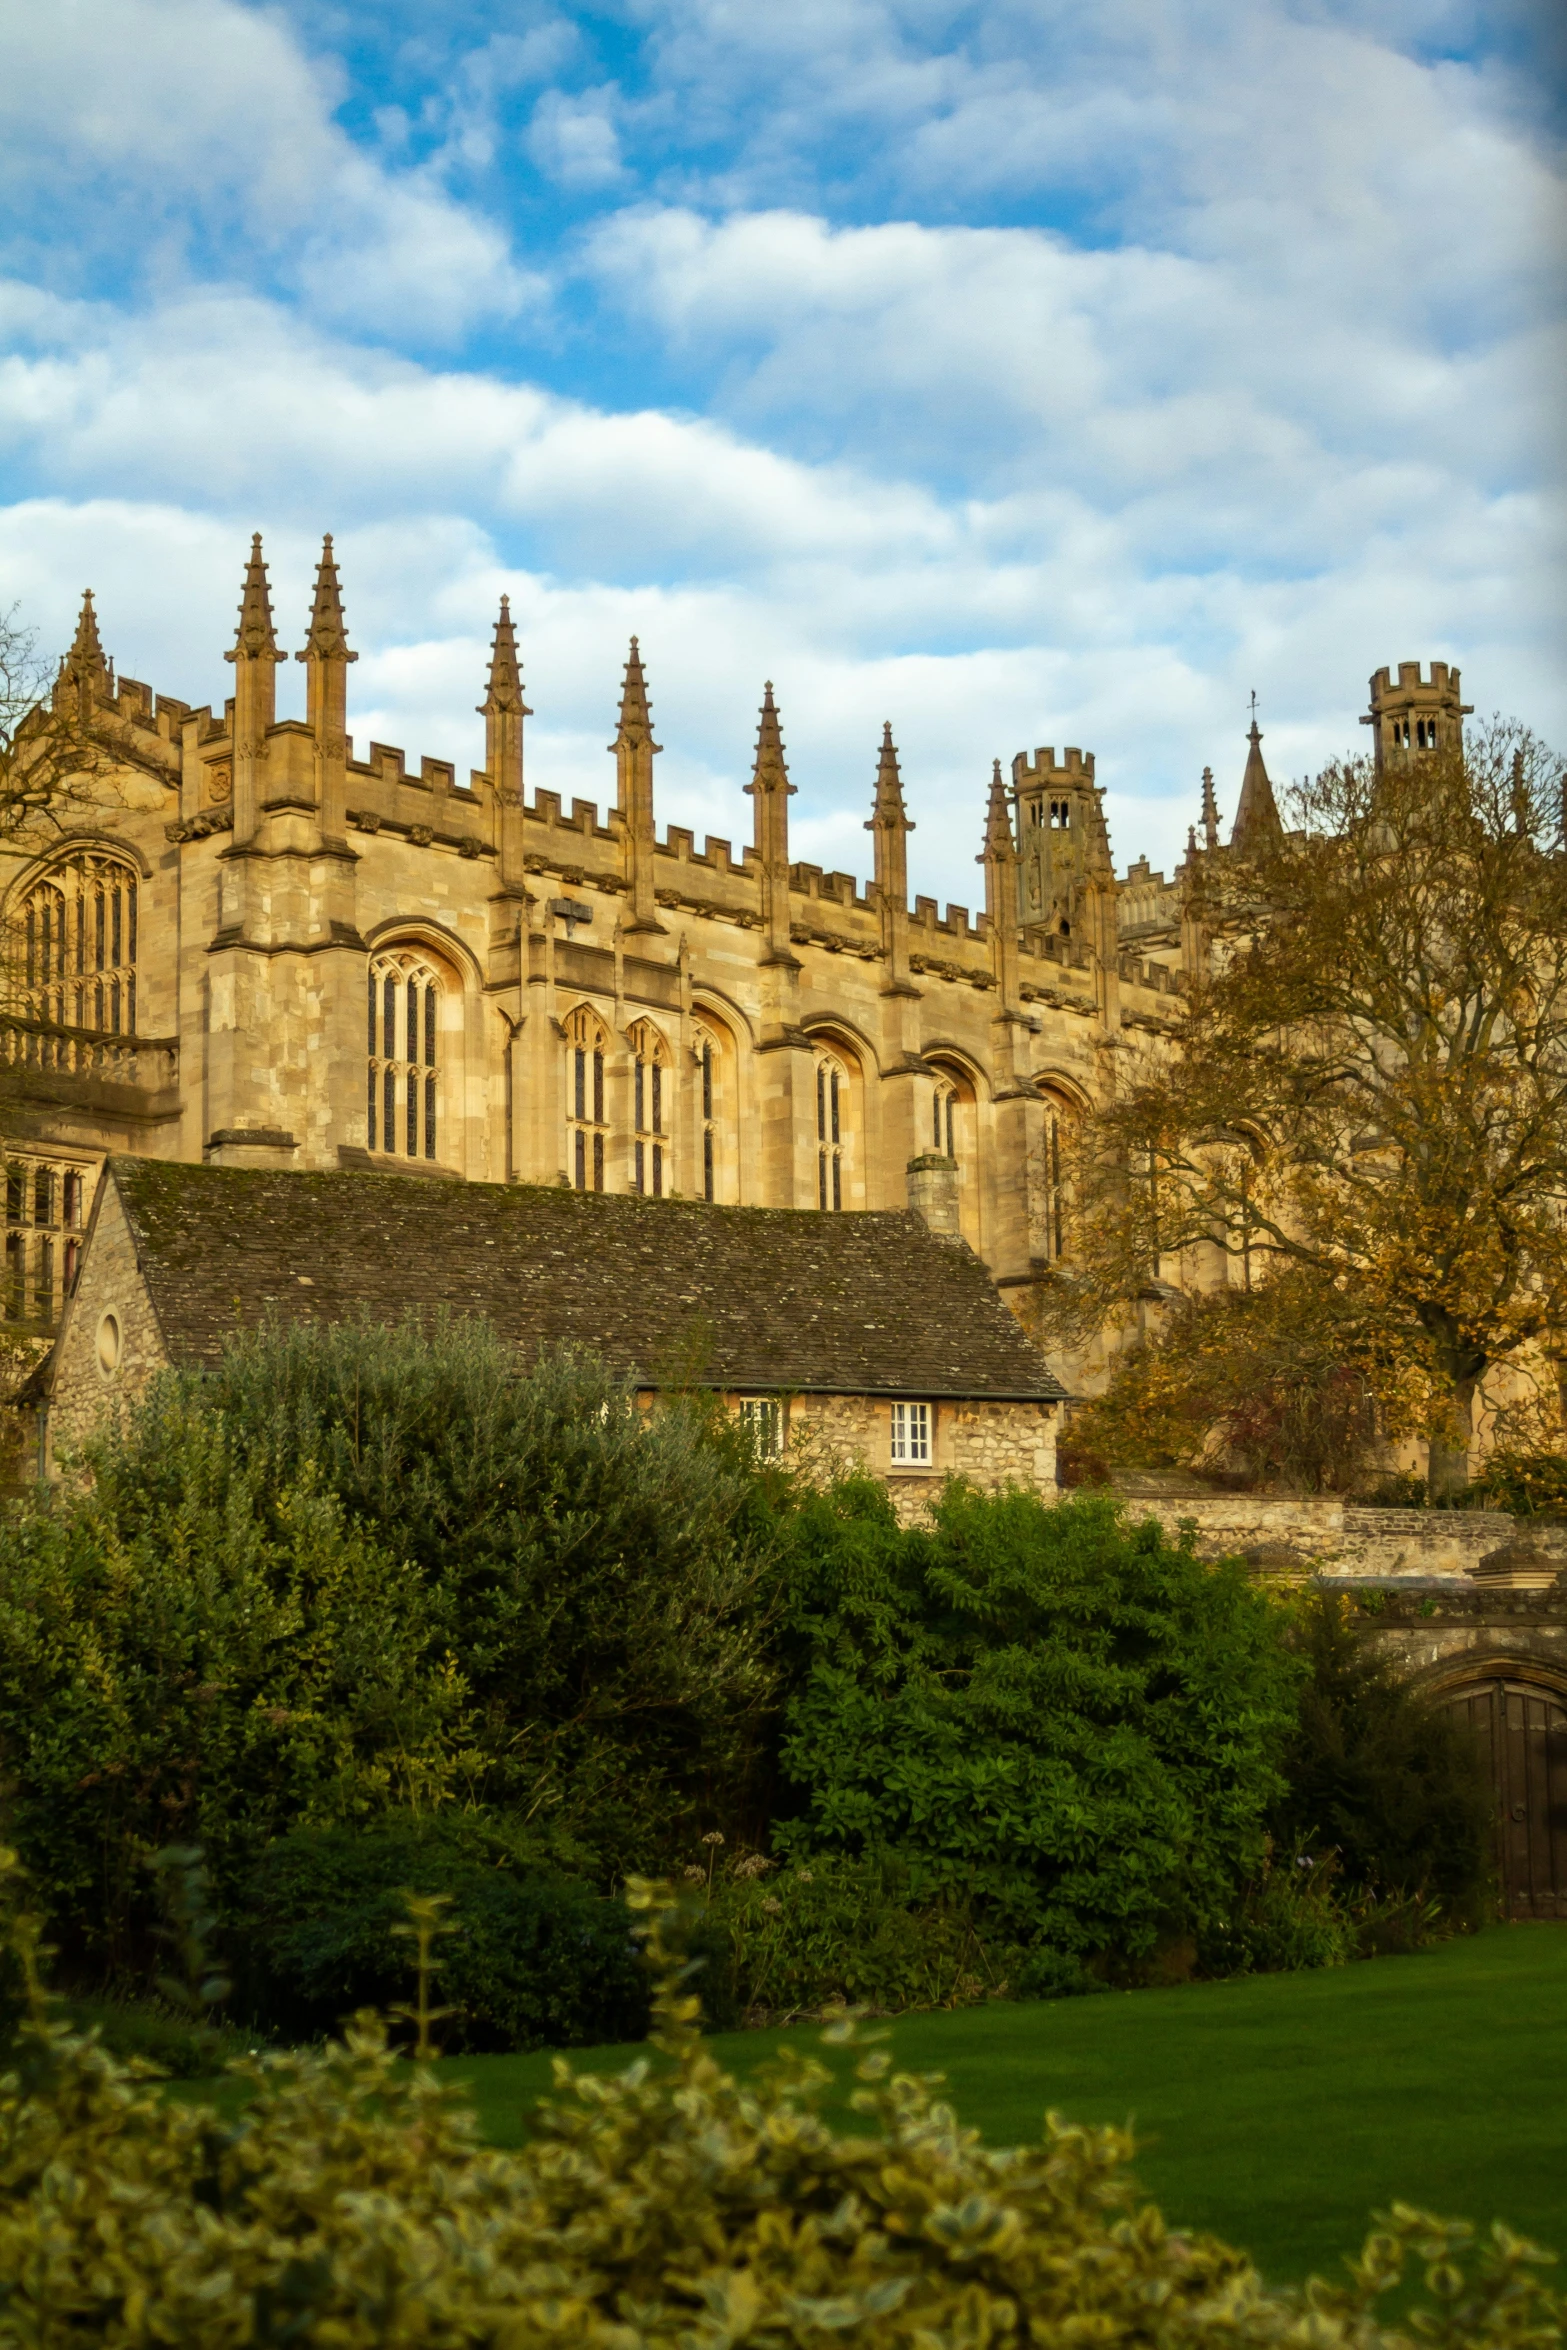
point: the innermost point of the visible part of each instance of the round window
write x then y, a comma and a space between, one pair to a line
109, 1345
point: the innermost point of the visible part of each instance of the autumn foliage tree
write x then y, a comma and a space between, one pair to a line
1369, 1083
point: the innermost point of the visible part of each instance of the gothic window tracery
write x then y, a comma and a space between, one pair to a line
404, 1080
587, 1041
650, 1106
832, 1129
78, 950
712, 1079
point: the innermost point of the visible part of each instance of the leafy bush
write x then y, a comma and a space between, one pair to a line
1379, 1774
585, 1564
351, 2202
1288, 1916
1044, 1711
530, 1962
219, 1660
791, 1941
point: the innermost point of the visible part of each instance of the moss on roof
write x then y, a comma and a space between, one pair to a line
737, 1298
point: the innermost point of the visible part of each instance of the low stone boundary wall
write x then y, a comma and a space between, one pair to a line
1311, 1533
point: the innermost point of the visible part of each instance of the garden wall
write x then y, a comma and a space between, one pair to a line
1328, 1534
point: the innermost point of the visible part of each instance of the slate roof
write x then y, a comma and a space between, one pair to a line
736, 1298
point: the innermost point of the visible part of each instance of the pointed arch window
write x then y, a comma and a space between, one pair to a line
1055, 1155
651, 1107
713, 1055
944, 1115
403, 1092
832, 1129
587, 1041
78, 951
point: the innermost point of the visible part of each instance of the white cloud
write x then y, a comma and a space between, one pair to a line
196, 134
573, 139
1004, 485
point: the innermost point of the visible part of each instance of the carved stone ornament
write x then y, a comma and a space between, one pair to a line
421, 835
198, 827
364, 819
220, 781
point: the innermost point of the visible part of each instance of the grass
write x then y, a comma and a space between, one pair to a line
1277, 2111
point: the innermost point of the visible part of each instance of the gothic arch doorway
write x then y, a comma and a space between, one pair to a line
1521, 1727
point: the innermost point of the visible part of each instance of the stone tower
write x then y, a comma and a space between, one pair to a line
1415, 714
1059, 822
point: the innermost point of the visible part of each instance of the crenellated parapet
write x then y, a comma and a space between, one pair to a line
1414, 713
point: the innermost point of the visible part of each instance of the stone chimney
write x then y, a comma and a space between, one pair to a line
933, 1193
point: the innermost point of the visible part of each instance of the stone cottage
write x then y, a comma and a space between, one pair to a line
862, 1337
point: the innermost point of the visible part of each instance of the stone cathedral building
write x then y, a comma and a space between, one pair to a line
261, 945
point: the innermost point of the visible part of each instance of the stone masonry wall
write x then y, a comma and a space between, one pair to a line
110, 1284
1332, 1535
1446, 1638
993, 1445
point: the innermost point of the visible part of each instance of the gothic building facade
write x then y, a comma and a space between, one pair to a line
256, 946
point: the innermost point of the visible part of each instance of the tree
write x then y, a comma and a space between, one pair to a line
1267, 1383
1370, 1080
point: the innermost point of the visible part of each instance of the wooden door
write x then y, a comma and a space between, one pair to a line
1523, 1733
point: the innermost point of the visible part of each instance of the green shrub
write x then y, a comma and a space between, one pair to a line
1377, 1773
669, 2209
794, 1940
593, 1571
530, 1962
1060, 1719
1289, 1915
214, 1664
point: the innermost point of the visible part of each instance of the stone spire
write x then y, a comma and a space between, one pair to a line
86, 658
255, 656
503, 711
634, 750
1000, 846
1256, 823
328, 636
326, 657
1001, 902
889, 828
771, 789
256, 639
1210, 812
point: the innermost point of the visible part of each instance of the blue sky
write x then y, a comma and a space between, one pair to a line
1023, 371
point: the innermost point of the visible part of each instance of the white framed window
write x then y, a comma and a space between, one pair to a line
911, 1431
763, 1415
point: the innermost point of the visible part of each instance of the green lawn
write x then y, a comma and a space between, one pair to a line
1278, 2110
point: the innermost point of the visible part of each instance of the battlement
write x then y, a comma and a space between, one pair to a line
1416, 713
1443, 684
1077, 767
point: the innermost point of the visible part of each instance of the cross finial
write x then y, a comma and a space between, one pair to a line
1254, 705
